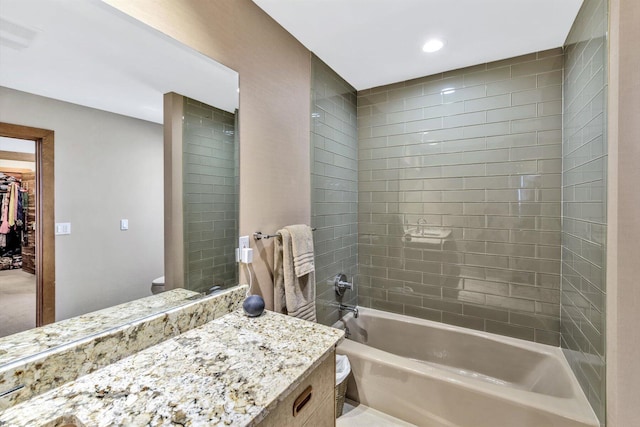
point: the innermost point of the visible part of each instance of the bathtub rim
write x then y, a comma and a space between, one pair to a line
580, 410
516, 342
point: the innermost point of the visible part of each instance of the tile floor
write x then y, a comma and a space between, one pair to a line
357, 415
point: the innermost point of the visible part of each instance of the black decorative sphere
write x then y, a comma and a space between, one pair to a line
253, 306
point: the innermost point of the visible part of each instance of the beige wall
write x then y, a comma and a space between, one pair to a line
107, 167
623, 268
274, 73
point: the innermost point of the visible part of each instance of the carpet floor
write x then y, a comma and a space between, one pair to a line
17, 301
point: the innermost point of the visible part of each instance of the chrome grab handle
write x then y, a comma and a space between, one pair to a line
341, 285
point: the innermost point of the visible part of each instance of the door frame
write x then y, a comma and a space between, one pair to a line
45, 217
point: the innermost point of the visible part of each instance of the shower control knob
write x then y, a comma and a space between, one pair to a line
341, 285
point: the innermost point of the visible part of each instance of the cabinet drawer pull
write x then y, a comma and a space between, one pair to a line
302, 400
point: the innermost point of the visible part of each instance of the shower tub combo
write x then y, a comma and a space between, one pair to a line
437, 375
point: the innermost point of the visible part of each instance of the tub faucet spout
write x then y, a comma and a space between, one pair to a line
351, 308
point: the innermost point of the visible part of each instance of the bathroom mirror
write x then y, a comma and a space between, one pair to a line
96, 77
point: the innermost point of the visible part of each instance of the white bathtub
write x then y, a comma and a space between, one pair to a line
437, 375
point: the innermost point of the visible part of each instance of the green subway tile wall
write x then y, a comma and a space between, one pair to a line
459, 185
334, 174
210, 169
584, 223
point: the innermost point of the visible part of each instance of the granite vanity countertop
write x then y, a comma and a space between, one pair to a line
40, 339
230, 371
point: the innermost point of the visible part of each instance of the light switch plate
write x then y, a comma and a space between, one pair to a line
124, 224
63, 228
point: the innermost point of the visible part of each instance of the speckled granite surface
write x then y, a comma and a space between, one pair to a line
44, 371
231, 371
37, 340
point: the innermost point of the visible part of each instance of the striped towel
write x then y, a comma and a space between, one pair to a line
293, 295
302, 248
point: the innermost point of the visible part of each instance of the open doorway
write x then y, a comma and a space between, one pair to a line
17, 235
27, 257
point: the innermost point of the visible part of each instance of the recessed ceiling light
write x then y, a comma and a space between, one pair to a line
433, 45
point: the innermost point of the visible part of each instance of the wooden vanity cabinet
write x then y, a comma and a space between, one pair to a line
311, 403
